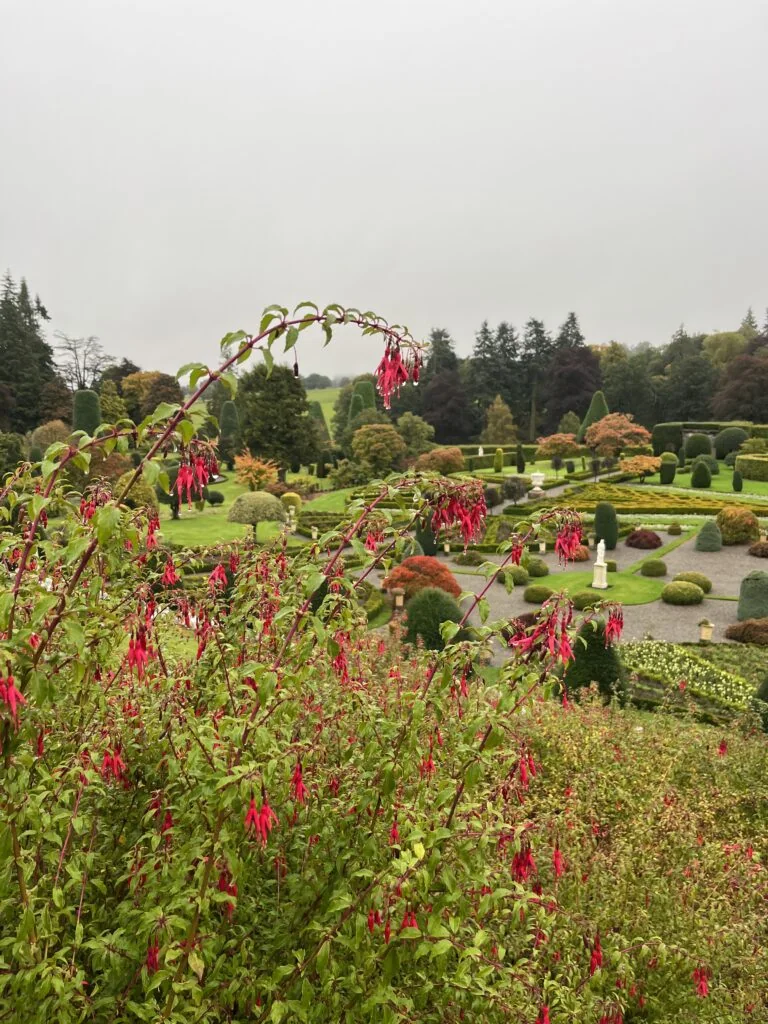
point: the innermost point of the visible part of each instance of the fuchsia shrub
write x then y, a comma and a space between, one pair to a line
245, 807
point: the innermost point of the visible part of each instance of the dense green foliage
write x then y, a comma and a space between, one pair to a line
598, 408
697, 444
537, 593
701, 477
728, 440
695, 577
606, 525
274, 417
229, 433
425, 612
256, 507
86, 411
709, 537
682, 592
738, 525
654, 567
594, 661
752, 467
753, 596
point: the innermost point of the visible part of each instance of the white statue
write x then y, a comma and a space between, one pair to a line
600, 569
600, 560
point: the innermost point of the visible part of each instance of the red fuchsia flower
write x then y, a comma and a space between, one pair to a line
543, 1017
230, 888
409, 920
152, 961
218, 578
682, 685
461, 507
387, 931
34, 641
251, 816
596, 960
372, 539
298, 790
391, 374
614, 624
138, 656
170, 576
185, 482
374, 918
267, 819
557, 862
568, 541
112, 765
700, 978
333, 785
87, 509
12, 698
165, 828
722, 750
40, 744
153, 525
523, 864
202, 475
394, 834
523, 769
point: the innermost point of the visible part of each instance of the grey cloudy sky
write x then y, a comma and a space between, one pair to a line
168, 168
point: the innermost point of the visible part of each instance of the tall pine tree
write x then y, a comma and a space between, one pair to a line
536, 355
26, 359
570, 335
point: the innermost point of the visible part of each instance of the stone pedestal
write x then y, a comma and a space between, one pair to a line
600, 576
536, 493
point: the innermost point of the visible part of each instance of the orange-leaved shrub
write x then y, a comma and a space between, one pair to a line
420, 571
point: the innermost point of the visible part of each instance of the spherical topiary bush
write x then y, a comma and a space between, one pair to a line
291, 500
737, 481
584, 599
753, 596
697, 444
759, 549
606, 524
653, 567
751, 631
709, 537
730, 459
537, 567
594, 661
643, 539
728, 440
710, 461
421, 571
214, 497
537, 593
694, 577
701, 478
675, 529
738, 525
424, 614
611, 565
469, 558
256, 507
682, 593
141, 495
517, 573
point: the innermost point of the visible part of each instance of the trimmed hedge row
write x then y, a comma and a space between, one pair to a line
669, 436
645, 500
752, 467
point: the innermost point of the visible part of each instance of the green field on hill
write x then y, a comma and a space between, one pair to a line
327, 399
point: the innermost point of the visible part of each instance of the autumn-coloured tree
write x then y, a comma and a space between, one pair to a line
561, 445
499, 423
641, 465
255, 473
613, 433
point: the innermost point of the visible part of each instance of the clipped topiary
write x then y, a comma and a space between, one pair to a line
751, 631
426, 539
584, 599
365, 389
421, 571
594, 661
711, 462
291, 500
668, 471
537, 567
598, 409
492, 496
520, 459
86, 411
701, 478
697, 444
606, 524
256, 507
728, 440
682, 593
141, 494
518, 574
214, 497
653, 567
674, 529
709, 537
695, 577
759, 549
537, 593
425, 613
498, 461
469, 558
681, 457
611, 566
738, 525
730, 459
753, 596
644, 539
737, 481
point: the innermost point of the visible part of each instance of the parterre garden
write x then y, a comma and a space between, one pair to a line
279, 755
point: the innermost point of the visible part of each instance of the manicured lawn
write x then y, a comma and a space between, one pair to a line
327, 399
722, 482
332, 501
622, 586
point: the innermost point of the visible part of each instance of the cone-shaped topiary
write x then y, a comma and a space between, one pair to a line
364, 388
701, 478
598, 408
425, 613
520, 458
355, 407
86, 411
753, 596
594, 662
737, 483
498, 461
709, 537
425, 537
606, 524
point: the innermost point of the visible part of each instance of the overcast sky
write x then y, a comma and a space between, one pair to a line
168, 168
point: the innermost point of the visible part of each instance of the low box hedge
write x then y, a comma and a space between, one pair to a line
752, 467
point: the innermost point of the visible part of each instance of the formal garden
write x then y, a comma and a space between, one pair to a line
305, 716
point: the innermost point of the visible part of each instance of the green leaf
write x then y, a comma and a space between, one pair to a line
483, 609
229, 380
278, 1011
151, 472
188, 368
269, 359
107, 520
441, 947
291, 337
197, 964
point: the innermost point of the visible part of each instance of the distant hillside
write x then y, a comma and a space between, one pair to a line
327, 399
